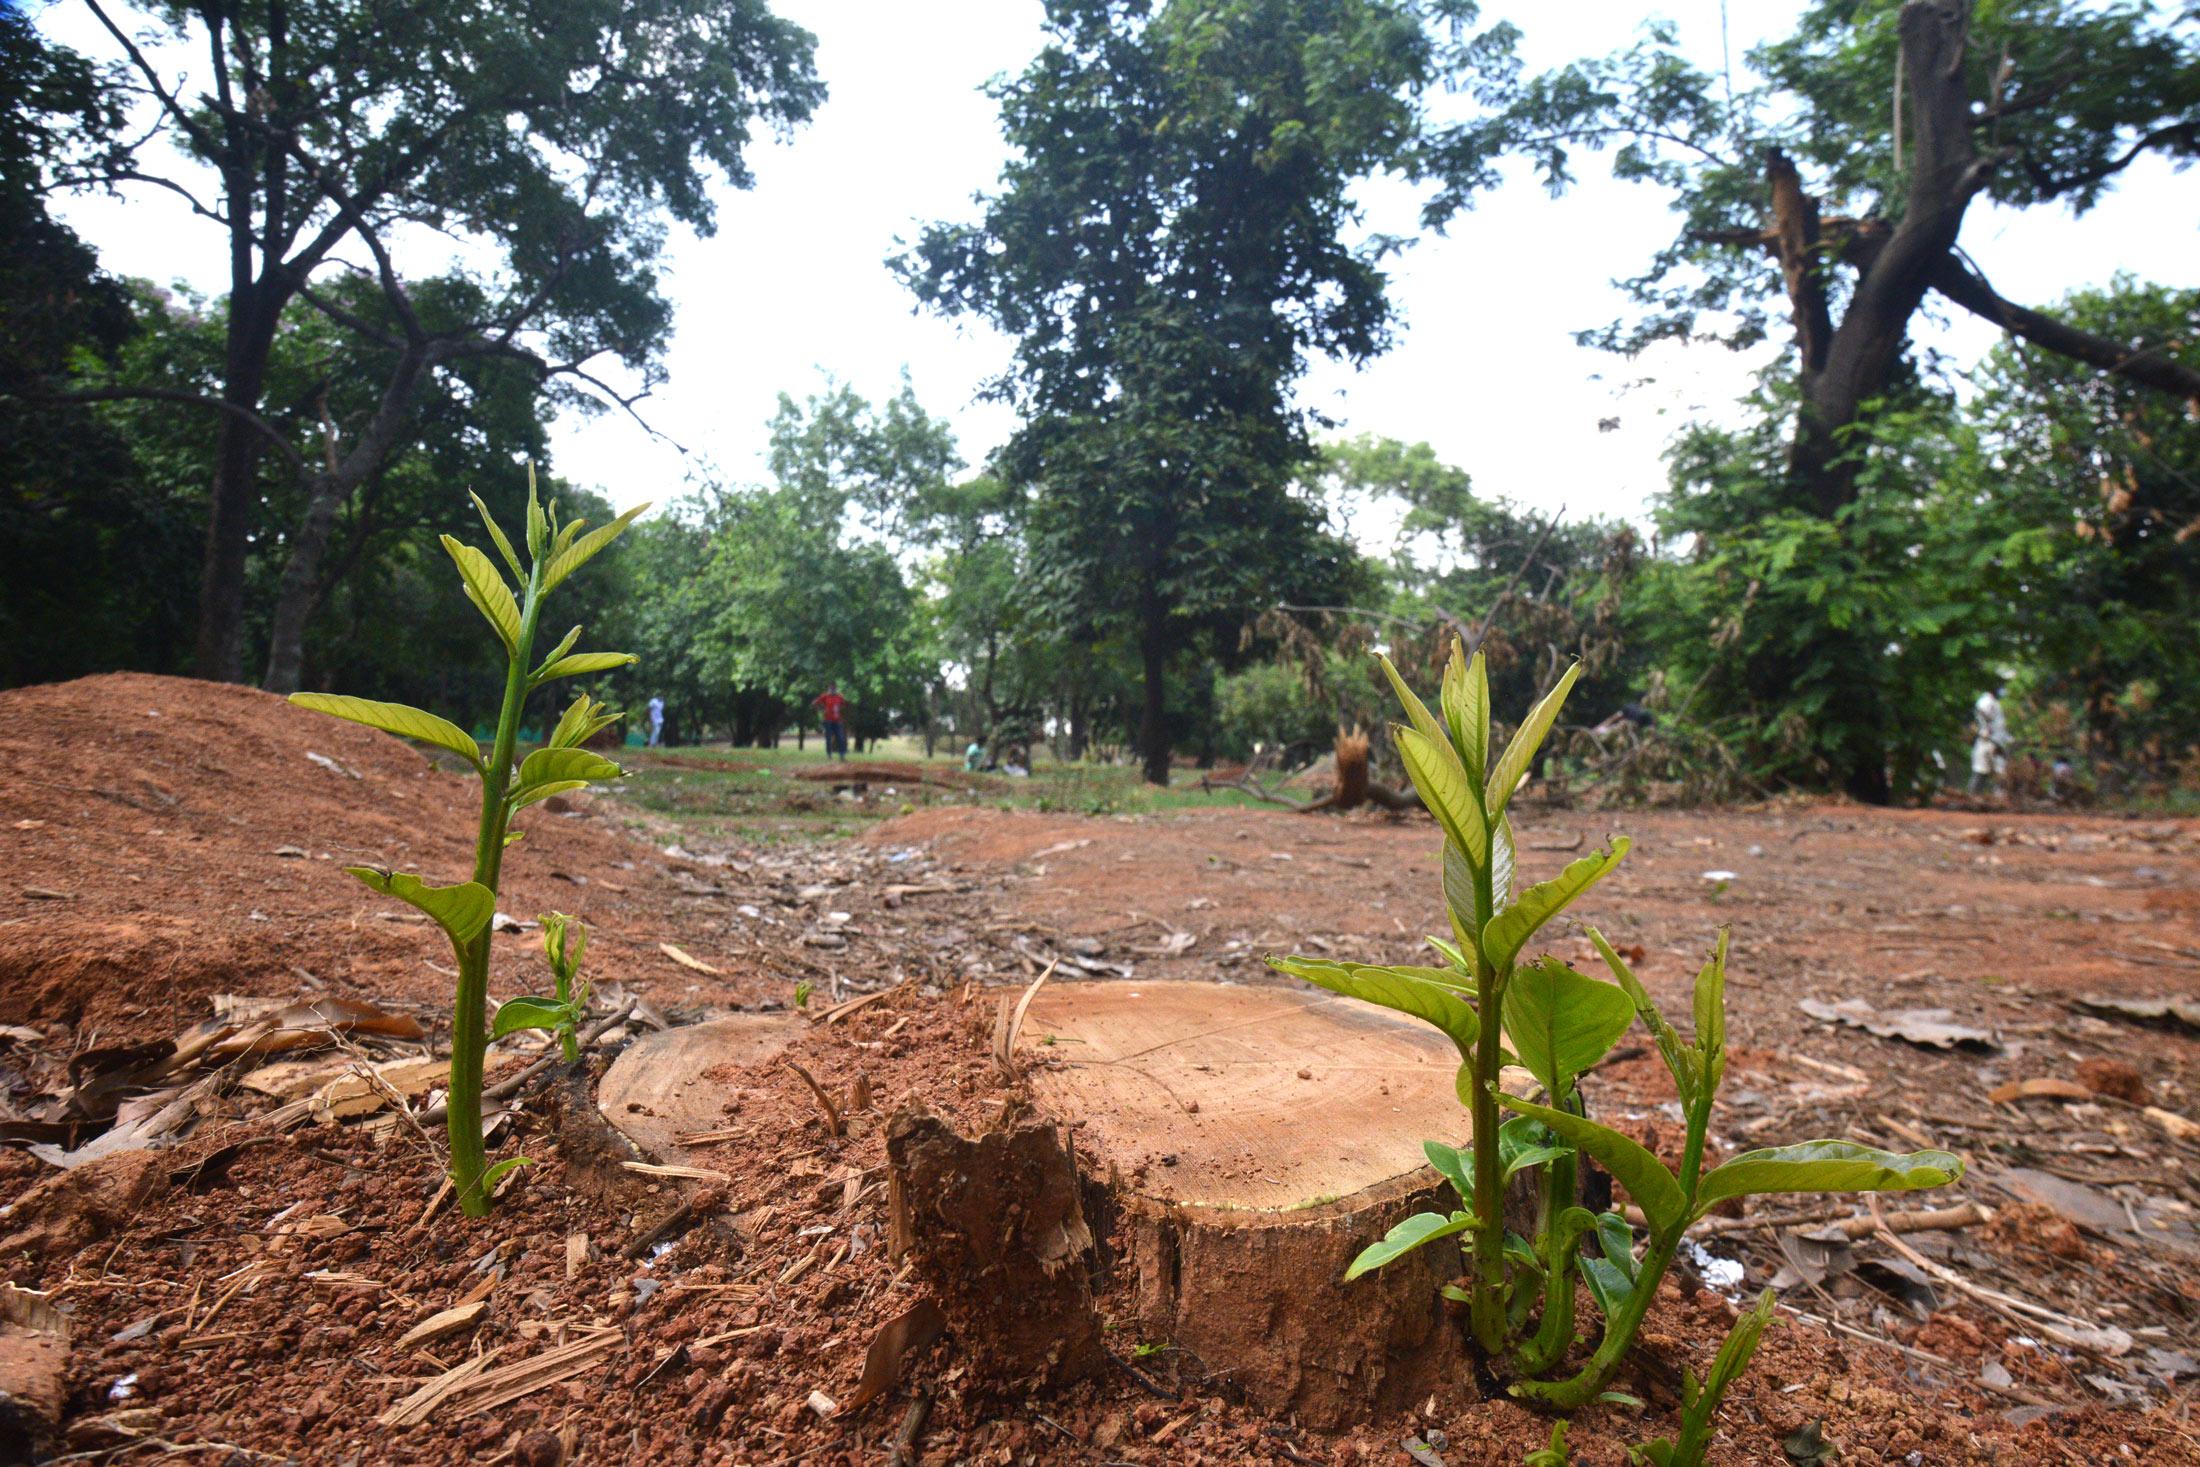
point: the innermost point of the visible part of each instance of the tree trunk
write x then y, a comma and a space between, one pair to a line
1153, 726
1242, 1267
294, 600
1853, 364
233, 499
299, 589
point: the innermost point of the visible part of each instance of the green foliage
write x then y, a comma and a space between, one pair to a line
1554, 1455
1700, 1399
564, 940
552, 145
1562, 1023
465, 911
1169, 159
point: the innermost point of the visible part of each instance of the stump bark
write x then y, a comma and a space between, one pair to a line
995, 1226
1255, 1141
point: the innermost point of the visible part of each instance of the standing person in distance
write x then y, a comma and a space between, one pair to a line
1989, 742
654, 720
833, 709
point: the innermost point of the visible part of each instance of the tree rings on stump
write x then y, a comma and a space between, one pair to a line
1256, 1140
658, 1090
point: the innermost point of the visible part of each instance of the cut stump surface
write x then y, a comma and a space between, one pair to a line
657, 1091
1258, 1139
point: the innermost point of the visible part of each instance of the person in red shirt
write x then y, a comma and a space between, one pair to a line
833, 709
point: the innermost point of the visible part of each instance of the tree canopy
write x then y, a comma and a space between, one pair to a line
553, 145
1170, 247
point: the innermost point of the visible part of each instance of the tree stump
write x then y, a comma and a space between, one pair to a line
657, 1091
1256, 1139
995, 1225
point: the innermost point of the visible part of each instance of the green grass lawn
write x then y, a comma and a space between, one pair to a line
746, 793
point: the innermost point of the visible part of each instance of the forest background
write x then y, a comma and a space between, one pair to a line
1234, 368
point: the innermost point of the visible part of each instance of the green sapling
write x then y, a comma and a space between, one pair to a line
466, 911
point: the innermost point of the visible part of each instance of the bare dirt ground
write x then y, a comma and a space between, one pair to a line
246, 1277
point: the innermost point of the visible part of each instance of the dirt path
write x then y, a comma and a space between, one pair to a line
241, 1287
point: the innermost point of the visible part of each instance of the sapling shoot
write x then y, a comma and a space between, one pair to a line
466, 911
1503, 1009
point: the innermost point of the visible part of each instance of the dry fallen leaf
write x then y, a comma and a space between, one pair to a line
897, 1340
684, 960
1932, 1028
2040, 1087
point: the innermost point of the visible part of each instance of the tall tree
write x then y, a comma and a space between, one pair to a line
1834, 190
552, 142
66, 496
1170, 248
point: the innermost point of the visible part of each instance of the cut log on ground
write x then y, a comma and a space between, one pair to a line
1256, 1140
657, 1092
1350, 786
885, 772
995, 1226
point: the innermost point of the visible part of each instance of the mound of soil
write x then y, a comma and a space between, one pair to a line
168, 839
885, 771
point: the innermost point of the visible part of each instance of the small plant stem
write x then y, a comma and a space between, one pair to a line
1619, 1333
1486, 1306
572, 1015
1556, 1330
469, 1009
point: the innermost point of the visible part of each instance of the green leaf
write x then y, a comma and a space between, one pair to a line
536, 793
1608, 1285
1456, 1166
581, 664
580, 723
1520, 753
486, 589
1501, 860
1733, 1357
1825, 1166
1416, 710
547, 766
538, 527
1682, 1059
1460, 898
463, 910
503, 1169
1466, 703
504, 546
565, 645
528, 1013
583, 550
1422, 1227
1510, 929
1710, 1008
1398, 989
1435, 772
1655, 1190
565, 537
396, 718
1452, 955
1522, 1143
1561, 1022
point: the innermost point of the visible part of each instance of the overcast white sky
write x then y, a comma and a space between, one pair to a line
794, 281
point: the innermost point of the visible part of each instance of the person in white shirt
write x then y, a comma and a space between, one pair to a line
1989, 742
655, 721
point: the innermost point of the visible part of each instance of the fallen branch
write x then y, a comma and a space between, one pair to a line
912, 1427
2062, 1329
